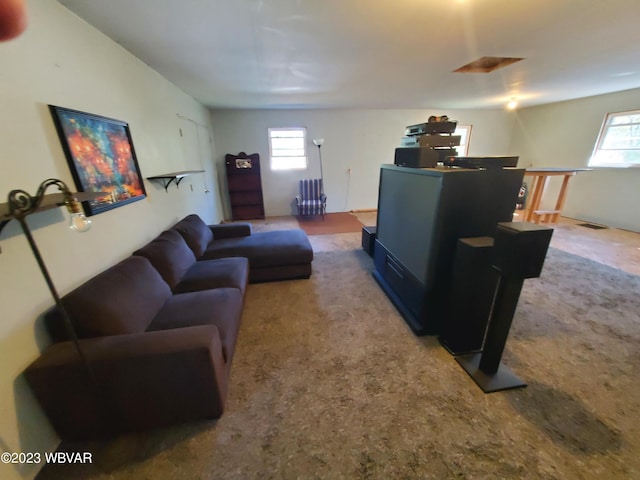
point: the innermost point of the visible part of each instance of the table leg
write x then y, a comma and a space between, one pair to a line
561, 198
538, 187
528, 211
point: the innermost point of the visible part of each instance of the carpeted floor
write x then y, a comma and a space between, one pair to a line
329, 383
342, 222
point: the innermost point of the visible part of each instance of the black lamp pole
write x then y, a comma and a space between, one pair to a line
22, 204
321, 174
318, 142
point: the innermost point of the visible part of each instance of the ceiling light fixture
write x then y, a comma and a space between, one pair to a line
513, 104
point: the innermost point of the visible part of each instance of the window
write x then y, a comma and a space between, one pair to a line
287, 148
618, 144
465, 134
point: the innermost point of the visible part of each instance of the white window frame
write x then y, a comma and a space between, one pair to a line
465, 138
611, 156
283, 160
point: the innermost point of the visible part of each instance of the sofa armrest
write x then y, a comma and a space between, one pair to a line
143, 380
230, 230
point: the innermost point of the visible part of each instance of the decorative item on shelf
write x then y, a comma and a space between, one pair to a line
101, 158
168, 178
243, 163
20, 205
434, 126
435, 118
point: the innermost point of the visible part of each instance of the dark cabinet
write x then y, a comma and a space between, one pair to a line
244, 185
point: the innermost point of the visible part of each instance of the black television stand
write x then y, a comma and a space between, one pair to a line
416, 325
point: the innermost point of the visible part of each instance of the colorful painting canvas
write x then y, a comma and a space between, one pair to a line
101, 157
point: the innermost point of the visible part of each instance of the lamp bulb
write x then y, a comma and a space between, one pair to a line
79, 223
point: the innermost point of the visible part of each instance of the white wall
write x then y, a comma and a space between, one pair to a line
563, 135
360, 140
63, 61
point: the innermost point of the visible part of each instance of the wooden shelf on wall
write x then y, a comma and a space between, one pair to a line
168, 178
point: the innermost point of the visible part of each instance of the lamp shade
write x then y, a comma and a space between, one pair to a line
318, 142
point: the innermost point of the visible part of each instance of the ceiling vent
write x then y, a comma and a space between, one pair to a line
487, 64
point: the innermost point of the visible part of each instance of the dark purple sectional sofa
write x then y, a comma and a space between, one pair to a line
159, 329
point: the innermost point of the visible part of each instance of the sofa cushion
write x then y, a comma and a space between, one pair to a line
282, 272
170, 255
195, 232
230, 230
221, 307
265, 249
230, 272
122, 299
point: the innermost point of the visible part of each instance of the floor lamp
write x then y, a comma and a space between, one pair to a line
318, 142
19, 206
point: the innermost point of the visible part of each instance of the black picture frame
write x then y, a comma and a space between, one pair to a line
101, 157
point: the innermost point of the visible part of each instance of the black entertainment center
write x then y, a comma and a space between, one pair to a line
422, 212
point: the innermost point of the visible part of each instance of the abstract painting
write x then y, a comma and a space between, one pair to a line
101, 157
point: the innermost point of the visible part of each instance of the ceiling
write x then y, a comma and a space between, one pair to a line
377, 53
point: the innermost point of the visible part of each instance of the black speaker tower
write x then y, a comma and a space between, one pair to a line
519, 251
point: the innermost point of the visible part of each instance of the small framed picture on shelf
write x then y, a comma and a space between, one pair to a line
243, 163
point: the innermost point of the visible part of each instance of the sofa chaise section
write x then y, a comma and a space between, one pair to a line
274, 255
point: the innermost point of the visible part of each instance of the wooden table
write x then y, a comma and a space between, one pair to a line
540, 177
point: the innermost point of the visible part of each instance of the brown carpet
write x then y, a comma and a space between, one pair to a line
342, 222
329, 383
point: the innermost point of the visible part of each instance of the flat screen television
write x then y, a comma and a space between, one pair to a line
406, 215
